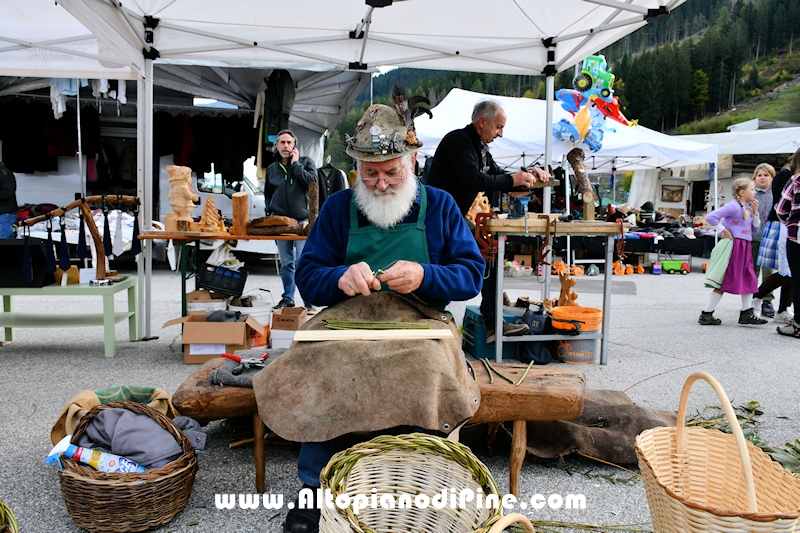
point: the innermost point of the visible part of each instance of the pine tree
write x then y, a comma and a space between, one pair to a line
699, 95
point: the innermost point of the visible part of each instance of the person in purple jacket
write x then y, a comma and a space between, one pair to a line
736, 220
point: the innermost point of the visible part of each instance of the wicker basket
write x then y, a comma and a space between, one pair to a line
412, 464
101, 502
700, 480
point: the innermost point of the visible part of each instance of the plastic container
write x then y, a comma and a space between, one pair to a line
222, 279
572, 319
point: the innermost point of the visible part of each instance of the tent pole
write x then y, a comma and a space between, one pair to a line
548, 154
80, 147
548, 137
140, 125
148, 188
144, 164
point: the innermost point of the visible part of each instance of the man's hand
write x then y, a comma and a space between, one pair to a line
523, 178
541, 174
358, 279
295, 156
527, 179
404, 277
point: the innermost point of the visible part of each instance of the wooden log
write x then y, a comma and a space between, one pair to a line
276, 230
545, 394
575, 159
313, 203
241, 213
100, 267
200, 399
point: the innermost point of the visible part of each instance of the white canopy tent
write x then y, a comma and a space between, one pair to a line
768, 141
523, 141
732, 143
506, 36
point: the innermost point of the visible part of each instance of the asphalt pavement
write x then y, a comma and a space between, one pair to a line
654, 344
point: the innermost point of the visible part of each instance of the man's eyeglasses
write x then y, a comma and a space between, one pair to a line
389, 179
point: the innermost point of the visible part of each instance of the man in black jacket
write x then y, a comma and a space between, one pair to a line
8, 202
464, 167
286, 194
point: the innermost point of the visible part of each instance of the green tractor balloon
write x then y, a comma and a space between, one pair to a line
594, 78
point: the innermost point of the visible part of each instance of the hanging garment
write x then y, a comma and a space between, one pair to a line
259, 109
122, 97
119, 245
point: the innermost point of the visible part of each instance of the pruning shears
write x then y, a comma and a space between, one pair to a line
246, 363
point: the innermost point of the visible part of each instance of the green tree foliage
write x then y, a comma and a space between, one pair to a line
477, 86
699, 95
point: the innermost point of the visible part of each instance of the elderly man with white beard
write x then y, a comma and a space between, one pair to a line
389, 249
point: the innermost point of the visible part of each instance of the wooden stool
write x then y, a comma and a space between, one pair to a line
547, 393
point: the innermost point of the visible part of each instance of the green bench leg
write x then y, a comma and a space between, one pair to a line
8, 307
108, 325
133, 320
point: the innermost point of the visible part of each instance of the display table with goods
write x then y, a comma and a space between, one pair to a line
214, 279
549, 227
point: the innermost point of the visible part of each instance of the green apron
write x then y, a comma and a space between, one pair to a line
380, 248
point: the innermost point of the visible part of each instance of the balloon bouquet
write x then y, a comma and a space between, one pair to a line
590, 103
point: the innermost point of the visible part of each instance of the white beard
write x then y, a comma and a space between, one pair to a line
388, 208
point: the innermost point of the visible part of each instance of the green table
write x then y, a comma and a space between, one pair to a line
108, 318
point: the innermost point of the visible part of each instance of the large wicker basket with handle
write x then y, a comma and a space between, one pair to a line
101, 502
700, 480
412, 465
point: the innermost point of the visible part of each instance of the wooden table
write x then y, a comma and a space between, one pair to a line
186, 237
537, 227
108, 318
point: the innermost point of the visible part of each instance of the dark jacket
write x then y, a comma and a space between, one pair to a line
778, 183
459, 169
8, 191
286, 188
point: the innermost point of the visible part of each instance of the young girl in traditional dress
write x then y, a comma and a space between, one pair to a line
737, 220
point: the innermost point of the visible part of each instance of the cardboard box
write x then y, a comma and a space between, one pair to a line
200, 302
206, 340
290, 318
524, 260
281, 338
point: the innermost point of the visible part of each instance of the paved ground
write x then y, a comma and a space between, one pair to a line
655, 343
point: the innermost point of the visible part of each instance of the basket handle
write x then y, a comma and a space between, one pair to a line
507, 520
744, 455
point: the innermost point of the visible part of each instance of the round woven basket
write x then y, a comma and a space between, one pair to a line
701, 480
415, 464
101, 502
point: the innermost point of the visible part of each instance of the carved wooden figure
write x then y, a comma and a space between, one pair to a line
181, 197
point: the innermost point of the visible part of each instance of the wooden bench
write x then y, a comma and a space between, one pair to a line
547, 393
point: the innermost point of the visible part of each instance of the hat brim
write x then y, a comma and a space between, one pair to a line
377, 158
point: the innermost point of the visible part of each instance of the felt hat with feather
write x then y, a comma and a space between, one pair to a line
386, 132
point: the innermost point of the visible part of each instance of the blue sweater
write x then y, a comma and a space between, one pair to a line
456, 268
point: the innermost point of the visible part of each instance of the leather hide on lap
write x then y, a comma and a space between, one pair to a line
317, 391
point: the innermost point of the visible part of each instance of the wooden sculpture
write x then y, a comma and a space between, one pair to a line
568, 296
210, 221
479, 205
181, 197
